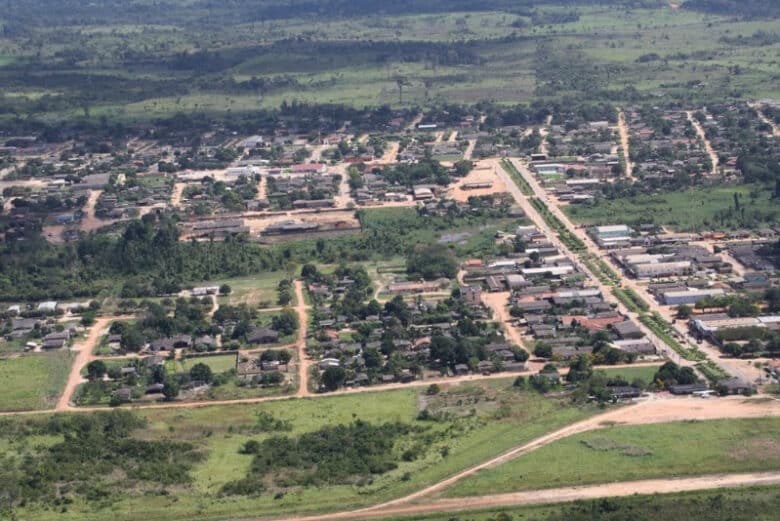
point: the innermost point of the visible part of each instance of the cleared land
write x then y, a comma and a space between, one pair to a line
690, 210
627, 453
33, 381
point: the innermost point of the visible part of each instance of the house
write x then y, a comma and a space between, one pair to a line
689, 388
627, 329
471, 295
167, 344
47, 307
262, 336
734, 386
155, 388
123, 395
461, 369
624, 392
56, 340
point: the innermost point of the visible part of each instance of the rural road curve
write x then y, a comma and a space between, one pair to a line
559, 495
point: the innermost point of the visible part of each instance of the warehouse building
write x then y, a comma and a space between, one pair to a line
691, 296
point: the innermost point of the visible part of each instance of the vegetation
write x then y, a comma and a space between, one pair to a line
624, 453
631, 300
664, 331
33, 381
463, 426
517, 177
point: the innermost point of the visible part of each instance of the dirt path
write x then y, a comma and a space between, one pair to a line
762, 117
86, 348
178, 191
703, 136
624, 144
262, 187
390, 154
416, 121
470, 149
453, 136
562, 495
304, 362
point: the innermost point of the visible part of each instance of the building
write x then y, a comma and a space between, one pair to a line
691, 296
661, 269
617, 231
471, 295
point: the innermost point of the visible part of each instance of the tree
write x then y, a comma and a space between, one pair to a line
96, 370
684, 311
286, 322
543, 350
200, 372
170, 389
132, 340
433, 389
333, 378
580, 369
432, 261
225, 289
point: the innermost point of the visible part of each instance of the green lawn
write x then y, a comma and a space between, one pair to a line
690, 210
503, 418
644, 373
33, 381
259, 289
637, 452
217, 363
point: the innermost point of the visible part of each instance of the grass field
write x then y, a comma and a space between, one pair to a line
503, 417
637, 452
33, 381
255, 290
644, 373
217, 363
691, 210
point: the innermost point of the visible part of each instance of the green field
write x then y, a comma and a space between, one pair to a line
624, 453
33, 381
503, 418
690, 210
217, 363
259, 289
326, 54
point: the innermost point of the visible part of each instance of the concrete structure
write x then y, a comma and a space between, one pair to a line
617, 231
661, 269
691, 296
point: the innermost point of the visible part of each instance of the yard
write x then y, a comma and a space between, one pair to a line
33, 381
258, 290
624, 453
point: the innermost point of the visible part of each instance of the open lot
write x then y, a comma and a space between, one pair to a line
624, 453
33, 381
691, 210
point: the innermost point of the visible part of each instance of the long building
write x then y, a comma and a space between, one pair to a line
661, 269
691, 296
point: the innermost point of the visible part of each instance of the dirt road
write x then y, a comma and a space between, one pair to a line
624, 144
730, 366
86, 348
560, 495
703, 136
304, 362
762, 117
469, 152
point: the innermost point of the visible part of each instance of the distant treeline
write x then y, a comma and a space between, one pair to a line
747, 8
211, 13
